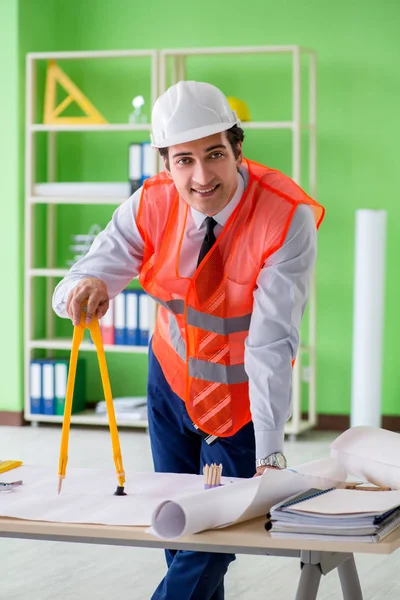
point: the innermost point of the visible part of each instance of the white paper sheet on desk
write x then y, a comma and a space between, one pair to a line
371, 454
242, 501
87, 495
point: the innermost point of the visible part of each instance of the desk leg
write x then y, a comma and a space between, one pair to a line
309, 582
349, 580
314, 564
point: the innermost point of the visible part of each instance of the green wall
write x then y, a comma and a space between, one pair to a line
358, 126
10, 182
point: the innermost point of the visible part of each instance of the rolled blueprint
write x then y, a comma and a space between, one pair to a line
242, 500
371, 454
368, 317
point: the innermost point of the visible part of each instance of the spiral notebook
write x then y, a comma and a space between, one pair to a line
339, 504
336, 514
307, 495
352, 534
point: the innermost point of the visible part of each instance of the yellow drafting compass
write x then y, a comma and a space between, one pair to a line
95, 332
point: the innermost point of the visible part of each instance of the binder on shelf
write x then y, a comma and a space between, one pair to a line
135, 167
144, 319
148, 161
35, 387
48, 387
132, 318
61, 367
61, 376
120, 319
107, 325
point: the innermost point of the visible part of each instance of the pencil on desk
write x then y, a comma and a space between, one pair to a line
212, 475
369, 488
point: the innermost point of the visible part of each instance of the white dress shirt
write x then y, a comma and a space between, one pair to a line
279, 299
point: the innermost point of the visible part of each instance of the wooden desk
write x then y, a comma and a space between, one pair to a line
316, 558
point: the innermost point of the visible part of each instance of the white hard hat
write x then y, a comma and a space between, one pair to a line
188, 111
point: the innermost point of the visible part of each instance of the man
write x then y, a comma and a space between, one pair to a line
226, 246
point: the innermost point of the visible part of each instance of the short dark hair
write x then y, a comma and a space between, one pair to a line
235, 135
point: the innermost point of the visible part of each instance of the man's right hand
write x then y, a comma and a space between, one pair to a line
95, 292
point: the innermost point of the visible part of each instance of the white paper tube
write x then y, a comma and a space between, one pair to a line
368, 317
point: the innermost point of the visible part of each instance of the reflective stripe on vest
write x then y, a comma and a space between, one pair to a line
177, 340
217, 324
207, 322
202, 369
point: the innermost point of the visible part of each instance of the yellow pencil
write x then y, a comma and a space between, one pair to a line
77, 338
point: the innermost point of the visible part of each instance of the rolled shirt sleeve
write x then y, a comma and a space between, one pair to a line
115, 256
279, 303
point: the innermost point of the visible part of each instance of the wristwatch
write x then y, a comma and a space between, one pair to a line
276, 459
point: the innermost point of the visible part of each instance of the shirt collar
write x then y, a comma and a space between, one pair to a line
223, 215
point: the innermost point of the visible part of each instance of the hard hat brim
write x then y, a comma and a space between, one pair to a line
193, 134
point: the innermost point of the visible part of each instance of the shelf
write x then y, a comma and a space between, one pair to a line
112, 200
65, 344
48, 272
105, 127
81, 54
51, 273
147, 126
233, 50
267, 124
88, 417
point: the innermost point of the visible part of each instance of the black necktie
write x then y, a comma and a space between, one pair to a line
209, 239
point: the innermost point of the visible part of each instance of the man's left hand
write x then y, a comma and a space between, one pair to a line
260, 470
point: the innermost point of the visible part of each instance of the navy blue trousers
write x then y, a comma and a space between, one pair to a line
177, 448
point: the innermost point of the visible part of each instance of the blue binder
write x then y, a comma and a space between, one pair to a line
148, 161
48, 387
120, 319
144, 319
132, 317
35, 386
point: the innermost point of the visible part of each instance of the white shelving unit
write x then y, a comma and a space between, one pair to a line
177, 60
50, 272
160, 61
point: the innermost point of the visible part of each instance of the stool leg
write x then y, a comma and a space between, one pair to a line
349, 580
309, 582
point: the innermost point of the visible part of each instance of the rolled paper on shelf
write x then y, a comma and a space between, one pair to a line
369, 283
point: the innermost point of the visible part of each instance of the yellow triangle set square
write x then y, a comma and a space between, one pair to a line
52, 112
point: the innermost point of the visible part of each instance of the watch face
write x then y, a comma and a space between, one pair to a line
280, 461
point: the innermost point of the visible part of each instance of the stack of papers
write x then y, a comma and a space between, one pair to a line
337, 515
134, 408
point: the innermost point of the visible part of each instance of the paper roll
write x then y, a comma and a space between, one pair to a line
371, 454
241, 501
368, 317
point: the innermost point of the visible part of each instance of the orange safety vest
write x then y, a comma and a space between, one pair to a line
203, 321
